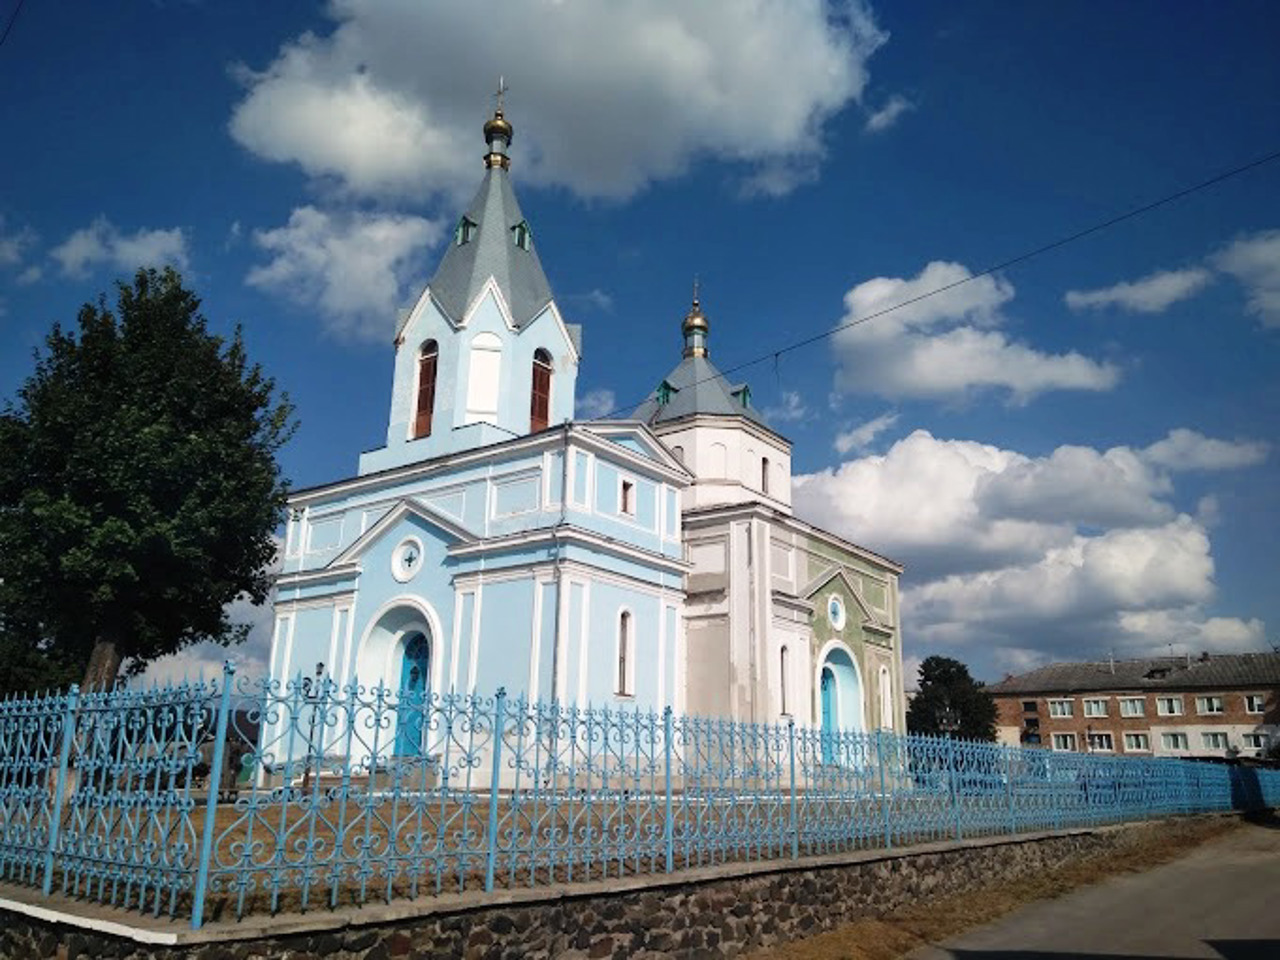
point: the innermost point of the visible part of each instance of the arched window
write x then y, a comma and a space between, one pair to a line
678, 453
484, 378
886, 699
764, 475
784, 677
540, 402
427, 358
625, 668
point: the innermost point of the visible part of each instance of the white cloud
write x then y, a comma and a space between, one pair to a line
103, 244
13, 246
1186, 449
1151, 294
1255, 261
790, 410
30, 275
862, 436
596, 403
889, 114
946, 344
593, 299
636, 91
356, 268
1012, 559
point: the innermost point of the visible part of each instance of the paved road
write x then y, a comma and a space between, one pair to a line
1222, 900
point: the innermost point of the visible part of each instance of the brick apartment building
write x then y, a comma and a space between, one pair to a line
1213, 705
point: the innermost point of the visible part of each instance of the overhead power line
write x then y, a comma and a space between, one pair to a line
9, 26
995, 268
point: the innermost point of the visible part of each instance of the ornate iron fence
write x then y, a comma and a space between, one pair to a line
223, 798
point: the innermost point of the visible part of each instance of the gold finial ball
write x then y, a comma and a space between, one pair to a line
497, 126
695, 319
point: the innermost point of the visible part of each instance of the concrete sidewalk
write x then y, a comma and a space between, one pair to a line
1222, 900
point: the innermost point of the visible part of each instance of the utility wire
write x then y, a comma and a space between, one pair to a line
9, 26
1002, 265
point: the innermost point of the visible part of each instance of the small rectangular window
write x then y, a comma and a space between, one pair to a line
1060, 708
1169, 706
1132, 707
1254, 702
1029, 706
1101, 742
1215, 741
1137, 742
1255, 741
1174, 741
627, 498
1208, 705
1064, 741
1095, 708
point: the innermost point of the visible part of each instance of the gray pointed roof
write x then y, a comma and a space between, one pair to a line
492, 252
697, 387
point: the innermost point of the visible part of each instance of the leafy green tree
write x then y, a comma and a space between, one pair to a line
139, 489
951, 702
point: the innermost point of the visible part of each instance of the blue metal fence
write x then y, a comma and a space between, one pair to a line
223, 798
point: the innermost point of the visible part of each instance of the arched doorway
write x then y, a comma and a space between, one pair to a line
414, 676
839, 698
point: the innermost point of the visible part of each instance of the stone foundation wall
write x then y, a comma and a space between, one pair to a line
720, 913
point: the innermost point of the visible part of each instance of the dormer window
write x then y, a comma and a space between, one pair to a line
466, 231
742, 394
664, 393
522, 235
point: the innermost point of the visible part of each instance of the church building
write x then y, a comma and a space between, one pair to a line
644, 562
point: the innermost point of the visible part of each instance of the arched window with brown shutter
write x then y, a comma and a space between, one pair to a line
427, 358
540, 402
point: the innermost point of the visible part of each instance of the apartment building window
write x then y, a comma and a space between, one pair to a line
1060, 708
1169, 706
1132, 707
1174, 741
1208, 705
1095, 708
1064, 741
1137, 742
1214, 741
1029, 706
1253, 702
1101, 742
1255, 741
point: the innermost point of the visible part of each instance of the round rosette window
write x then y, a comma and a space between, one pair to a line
835, 612
407, 559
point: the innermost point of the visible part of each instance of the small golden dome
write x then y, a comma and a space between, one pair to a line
695, 319
497, 127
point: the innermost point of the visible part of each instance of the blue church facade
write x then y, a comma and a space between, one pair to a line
648, 562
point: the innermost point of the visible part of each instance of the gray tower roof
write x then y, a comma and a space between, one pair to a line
695, 386
492, 251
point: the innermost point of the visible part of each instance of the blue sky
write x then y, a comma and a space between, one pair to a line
1072, 457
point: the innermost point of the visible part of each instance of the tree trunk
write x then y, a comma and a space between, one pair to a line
104, 666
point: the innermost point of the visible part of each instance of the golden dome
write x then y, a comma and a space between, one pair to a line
497, 126
695, 319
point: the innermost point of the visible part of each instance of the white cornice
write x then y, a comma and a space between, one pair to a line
568, 534
723, 421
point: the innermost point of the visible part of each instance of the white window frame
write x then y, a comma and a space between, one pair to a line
1142, 742
1209, 740
1128, 705
484, 378
1255, 741
1172, 701
1251, 698
1206, 701
1059, 739
1092, 704
629, 664
1178, 735
1061, 708
627, 484
1110, 738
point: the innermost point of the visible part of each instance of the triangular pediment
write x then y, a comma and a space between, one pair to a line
449, 529
824, 580
638, 438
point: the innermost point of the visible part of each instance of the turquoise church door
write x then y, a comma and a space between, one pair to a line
828, 687
413, 696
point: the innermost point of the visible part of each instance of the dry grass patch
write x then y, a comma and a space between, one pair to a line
898, 933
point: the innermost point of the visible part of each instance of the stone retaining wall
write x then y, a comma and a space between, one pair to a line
708, 913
